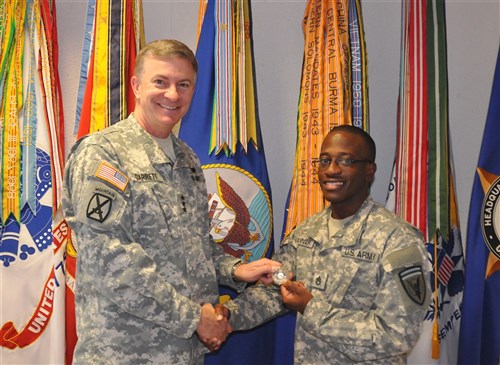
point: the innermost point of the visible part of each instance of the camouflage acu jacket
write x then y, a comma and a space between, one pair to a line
370, 282
144, 258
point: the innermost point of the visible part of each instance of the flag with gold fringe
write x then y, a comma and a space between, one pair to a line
422, 190
333, 92
113, 35
222, 126
32, 232
480, 324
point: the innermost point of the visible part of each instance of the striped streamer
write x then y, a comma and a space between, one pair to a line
12, 103
53, 96
246, 90
28, 76
84, 70
240, 59
99, 106
358, 68
233, 119
6, 38
29, 128
223, 128
30, 94
411, 166
334, 57
440, 165
424, 187
108, 60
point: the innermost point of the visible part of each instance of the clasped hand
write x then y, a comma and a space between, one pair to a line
213, 327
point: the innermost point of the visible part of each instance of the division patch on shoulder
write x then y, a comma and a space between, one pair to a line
99, 207
413, 282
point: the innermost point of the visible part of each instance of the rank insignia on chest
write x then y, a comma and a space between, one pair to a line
319, 281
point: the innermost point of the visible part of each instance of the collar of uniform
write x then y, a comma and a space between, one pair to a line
355, 228
318, 230
155, 154
350, 234
336, 225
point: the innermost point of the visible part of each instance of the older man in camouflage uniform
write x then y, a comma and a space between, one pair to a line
135, 196
362, 273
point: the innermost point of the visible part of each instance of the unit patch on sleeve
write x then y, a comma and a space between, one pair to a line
99, 207
102, 206
412, 280
110, 174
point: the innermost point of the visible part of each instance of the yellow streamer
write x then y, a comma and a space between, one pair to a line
100, 92
12, 103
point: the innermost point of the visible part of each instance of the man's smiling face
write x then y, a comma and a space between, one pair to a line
163, 92
345, 187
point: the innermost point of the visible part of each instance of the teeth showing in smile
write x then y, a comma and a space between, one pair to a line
333, 184
168, 107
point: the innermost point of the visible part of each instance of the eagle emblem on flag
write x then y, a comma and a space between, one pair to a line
239, 211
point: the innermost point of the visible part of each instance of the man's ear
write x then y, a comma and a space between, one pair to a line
134, 83
370, 169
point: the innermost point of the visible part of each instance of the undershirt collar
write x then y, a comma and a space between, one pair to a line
167, 146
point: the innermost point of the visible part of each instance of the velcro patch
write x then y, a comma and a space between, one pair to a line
413, 282
404, 257
110, 174
99, 207
360, 254
306, 242
319, 280
146, 176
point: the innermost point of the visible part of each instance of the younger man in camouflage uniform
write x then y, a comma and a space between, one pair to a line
135, 196
363, 275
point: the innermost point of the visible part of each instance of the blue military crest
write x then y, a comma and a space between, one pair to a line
239, 210
37, 221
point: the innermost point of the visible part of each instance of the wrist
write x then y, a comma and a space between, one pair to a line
233, 270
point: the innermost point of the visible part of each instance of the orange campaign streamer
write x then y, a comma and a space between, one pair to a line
325, 100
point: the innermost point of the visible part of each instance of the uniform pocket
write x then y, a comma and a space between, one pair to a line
341, 278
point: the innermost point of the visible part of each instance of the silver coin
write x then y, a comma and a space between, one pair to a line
280, 276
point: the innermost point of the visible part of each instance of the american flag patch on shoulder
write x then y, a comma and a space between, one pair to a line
113, 176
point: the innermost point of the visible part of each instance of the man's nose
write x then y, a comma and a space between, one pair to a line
333, 166
172, 93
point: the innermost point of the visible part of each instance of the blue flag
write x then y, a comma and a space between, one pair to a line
239, 195
480, 327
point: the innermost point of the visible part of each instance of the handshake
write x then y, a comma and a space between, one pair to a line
214, 326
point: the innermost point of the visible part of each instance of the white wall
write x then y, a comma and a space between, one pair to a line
473, 29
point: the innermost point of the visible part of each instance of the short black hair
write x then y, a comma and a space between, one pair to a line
370, 143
